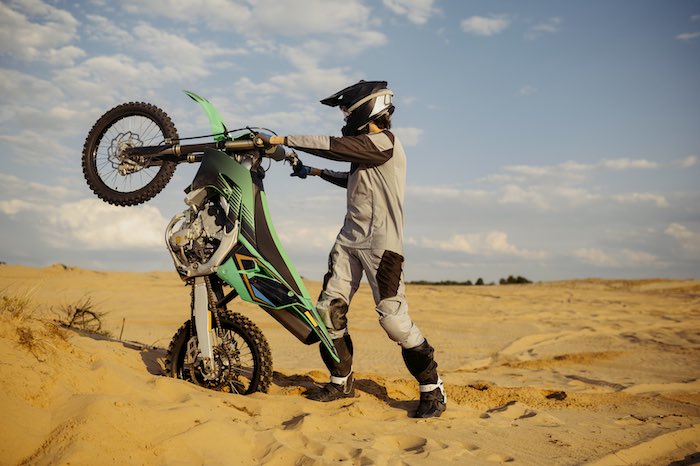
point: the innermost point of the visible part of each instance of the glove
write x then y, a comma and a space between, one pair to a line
301, 170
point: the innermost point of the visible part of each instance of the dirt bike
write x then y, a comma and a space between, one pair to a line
223, 245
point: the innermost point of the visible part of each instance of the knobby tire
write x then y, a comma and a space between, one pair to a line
91, 168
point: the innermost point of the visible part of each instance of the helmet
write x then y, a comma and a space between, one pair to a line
361, 103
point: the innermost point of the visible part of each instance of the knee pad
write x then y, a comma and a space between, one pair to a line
334, 313
394, 319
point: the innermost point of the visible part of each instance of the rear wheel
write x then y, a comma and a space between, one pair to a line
243, 358
127, 180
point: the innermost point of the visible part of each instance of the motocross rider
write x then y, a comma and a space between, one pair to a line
370, 241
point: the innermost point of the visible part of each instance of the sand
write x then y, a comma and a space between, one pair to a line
571, 372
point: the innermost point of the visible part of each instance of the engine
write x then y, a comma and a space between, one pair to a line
200, 238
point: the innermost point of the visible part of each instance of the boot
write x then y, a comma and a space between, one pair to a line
334, 391
433, 401
342, 384
422, 366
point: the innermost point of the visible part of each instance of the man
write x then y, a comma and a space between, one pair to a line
371, 239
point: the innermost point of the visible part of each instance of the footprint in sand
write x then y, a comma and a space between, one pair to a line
510, 410
407, 443
513, 411
498, 458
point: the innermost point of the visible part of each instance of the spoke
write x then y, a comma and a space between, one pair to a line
134, 130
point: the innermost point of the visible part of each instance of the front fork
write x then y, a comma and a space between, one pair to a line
202, 323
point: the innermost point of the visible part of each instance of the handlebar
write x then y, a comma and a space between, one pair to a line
276, 152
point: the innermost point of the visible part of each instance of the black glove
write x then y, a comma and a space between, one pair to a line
301, 170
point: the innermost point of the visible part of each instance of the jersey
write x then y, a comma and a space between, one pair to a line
375, 186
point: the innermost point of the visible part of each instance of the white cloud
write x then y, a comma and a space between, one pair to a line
106, 30
630, 198
13, 207
409, 136
312, 81
12, 186
93, 224
531, 170
687, 162
546, 197
167, 49
494, 243
262, 17
574, 170
617, 259
417, 11
626, 164
595, 257
687, 238
16, 85
688, 36
548, 26
34, 30
214, 13
483, 26
632, 257
442, 193
105, 79
316, 237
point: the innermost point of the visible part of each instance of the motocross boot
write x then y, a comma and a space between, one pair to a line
422, 365
334, 391
342, 384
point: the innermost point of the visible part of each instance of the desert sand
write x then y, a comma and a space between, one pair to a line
574, 372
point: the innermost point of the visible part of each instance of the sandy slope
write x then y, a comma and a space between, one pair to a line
605, 372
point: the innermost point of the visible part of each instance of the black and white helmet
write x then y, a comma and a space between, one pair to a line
361, 103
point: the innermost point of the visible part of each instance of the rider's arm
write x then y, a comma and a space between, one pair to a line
366, 149
337, 178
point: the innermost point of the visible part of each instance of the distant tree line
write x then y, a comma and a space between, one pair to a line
511, 280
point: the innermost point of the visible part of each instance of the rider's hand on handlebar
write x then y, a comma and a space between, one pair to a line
302, 171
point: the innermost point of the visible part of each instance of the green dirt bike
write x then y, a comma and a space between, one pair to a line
223, 244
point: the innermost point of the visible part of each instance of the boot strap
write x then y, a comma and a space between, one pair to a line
429, 387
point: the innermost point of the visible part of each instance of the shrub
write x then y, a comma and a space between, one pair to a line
83, 317
511, 280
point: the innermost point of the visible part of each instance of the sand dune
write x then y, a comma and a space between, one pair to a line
587, 371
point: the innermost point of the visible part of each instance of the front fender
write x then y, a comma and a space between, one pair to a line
217, 123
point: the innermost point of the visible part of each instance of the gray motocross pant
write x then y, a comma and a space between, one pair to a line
384, 272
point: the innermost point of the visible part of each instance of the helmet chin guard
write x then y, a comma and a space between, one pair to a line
361, 103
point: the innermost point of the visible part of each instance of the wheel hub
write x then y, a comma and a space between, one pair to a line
121, 162
224, 376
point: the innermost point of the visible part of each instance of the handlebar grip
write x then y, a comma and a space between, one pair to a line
276, 153
239, 145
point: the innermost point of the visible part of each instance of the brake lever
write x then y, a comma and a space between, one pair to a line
293, 160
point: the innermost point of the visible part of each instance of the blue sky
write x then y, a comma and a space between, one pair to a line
548, 139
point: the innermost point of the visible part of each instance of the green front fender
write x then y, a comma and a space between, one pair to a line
217, 123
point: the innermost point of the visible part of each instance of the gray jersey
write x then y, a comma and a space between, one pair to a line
375, 186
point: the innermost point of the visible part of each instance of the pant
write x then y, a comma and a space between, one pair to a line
384, 271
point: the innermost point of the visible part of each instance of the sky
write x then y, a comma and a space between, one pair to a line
552, 140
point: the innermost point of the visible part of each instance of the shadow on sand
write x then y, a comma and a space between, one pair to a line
368, 386
153, 357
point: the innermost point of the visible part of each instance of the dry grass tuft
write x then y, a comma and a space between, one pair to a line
16, 306
34, 334
82, 316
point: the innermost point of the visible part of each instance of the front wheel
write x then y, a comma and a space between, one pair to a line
118, 178
243, 357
